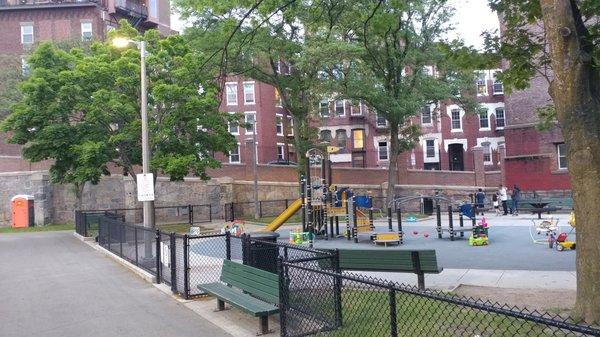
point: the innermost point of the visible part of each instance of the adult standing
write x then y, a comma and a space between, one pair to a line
479, 201
503, 198
516, 197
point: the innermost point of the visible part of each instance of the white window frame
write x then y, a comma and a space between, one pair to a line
239, 156
436, 149
326, 102
503, 118
490, 160
387, 150
559, 155
335, 106
228, 86
494, 92
279, 124
229, 124
291, 125
452, 128
246, 94
487, 114
281, 146
25, 26
87, 27
430, 115
377, 116
255, 125
321, 135
477, 83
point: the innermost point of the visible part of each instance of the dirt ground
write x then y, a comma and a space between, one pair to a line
552, 301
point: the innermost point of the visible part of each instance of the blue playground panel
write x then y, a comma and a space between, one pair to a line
467, 210
363, 201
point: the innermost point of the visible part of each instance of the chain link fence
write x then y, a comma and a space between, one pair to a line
326, 303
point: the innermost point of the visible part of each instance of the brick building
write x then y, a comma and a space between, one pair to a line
25, 23
448, 133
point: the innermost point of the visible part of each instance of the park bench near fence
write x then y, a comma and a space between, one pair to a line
250, 289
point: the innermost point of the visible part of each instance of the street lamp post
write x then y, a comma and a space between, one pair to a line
148, 206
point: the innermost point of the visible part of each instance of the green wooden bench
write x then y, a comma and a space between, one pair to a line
249, 289
420, 262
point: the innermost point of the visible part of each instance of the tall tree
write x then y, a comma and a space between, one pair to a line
81, 109
560, 41
265, 41
392, 55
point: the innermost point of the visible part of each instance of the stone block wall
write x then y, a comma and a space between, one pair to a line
32, 183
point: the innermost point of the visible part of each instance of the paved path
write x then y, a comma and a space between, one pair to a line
54, 285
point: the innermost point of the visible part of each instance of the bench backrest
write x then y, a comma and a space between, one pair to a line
388, 260
254, 281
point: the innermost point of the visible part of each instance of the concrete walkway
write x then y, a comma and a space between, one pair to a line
53, 285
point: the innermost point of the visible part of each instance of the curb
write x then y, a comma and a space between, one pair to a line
136, 270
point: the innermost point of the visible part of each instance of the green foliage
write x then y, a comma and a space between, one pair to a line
80, 108
10, 77
547, 116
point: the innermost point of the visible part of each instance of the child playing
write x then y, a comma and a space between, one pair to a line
496, 203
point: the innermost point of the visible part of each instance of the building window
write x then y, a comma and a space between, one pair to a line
339, 108
250, 119
561, 151
358, 139
27, 34
86, 31
279, 124
381, 121
500, 121
325, 136
290, 126
481, 83
249, 93
25, 68
487, 152
426, 115
324, 108
278, 100
484, 121
430, 148
456, 123
153, 8
356, 109
340, 138
431, 166
383, 150
234, 126
231, 93
498, 87
358, 159
234, 155
280, 151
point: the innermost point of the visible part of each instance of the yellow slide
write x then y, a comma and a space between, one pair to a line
284, 216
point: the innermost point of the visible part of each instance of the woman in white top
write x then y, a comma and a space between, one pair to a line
503, 198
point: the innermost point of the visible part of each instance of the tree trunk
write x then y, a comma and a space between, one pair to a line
576, 95
393, 169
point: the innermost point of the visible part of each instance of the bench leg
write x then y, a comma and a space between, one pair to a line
263, 325
421, 281
220, 305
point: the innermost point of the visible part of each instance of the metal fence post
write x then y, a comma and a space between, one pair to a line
228, 245
108, 230
190, 215
173, 264
137, 263
283, 293
121, 230
210, 212
393, 313
186, 275
260, 208
337, 286
232, 212
158, 257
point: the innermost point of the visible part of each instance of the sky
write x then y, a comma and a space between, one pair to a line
472, 17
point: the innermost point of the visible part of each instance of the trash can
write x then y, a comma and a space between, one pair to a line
22, 211
263, 251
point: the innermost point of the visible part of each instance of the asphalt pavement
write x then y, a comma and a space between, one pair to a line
51, 284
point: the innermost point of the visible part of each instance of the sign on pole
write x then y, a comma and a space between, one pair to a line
145, 187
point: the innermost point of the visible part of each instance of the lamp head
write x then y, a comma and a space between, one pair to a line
120, 42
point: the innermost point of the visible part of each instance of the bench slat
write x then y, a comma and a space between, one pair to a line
398, 260
240, 300
255, 281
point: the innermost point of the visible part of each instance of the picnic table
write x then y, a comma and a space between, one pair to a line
541, 207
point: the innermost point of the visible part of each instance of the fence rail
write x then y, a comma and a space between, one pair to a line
328, 303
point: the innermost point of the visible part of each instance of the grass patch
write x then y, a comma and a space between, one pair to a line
48, 228
367, 313
179, 228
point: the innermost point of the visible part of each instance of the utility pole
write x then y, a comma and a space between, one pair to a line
255, 171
